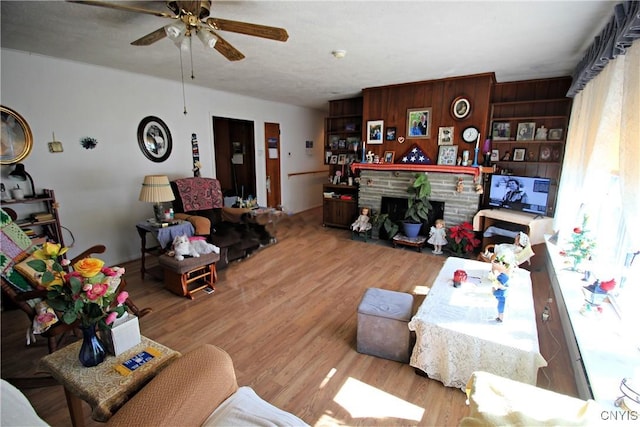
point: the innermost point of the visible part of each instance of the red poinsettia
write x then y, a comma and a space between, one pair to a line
462, 238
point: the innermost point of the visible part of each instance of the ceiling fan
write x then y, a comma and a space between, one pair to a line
192, 18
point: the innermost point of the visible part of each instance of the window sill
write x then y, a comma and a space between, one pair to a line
601, 349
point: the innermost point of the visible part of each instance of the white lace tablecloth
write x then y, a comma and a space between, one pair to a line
457, 334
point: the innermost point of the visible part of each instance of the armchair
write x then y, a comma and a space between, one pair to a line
199, 201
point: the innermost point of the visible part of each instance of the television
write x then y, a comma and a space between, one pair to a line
520, 193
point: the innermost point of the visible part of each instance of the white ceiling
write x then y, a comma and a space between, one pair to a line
387, 42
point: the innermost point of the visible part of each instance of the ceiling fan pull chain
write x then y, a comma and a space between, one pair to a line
191, 56
184, 98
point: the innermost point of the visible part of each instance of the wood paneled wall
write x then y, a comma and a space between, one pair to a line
390, 103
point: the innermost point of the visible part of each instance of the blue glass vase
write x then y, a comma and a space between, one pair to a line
92, 351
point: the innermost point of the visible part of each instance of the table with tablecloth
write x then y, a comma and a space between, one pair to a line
457, 332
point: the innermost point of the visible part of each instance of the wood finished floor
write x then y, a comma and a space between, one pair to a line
287, 316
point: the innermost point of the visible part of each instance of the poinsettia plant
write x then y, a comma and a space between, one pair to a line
462, 239
86, 292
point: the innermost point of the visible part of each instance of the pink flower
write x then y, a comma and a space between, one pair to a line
122, 297
68, 276
87, 287
111, 318
97, 291
108, 271
65, 262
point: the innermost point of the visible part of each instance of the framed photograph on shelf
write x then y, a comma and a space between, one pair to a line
519, 154
447, 155
556, 154
342, 159
342, 144
389, 156
333, 160
495, 155
374, 131
445, 135
327, 157
350, 127
460, 108
501, 131
555, 134
390, 135
333, 143
526, 131
545, 153
419, 122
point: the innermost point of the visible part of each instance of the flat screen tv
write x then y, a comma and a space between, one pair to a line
520, 193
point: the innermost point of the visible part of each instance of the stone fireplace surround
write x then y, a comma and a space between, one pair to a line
392, 180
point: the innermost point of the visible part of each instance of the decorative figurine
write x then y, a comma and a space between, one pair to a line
501, 266
362, 223
438, 236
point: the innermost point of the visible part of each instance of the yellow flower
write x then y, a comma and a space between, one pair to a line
88, 267
50, 251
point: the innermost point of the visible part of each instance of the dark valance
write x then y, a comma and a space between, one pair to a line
619, 33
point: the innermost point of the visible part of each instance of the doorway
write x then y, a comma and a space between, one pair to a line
234, 145
272, 148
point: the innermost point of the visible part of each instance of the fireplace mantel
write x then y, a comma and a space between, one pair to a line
469, 170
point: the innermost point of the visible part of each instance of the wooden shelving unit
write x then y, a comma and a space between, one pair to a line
42, 229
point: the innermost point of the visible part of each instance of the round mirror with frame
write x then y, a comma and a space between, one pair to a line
460, 108
16, 139
154, 139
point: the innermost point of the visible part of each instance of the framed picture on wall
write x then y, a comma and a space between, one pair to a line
447, 155
374, 131
419, 122
391, 134
445, 135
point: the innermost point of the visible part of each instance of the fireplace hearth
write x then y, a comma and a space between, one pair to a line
396, 207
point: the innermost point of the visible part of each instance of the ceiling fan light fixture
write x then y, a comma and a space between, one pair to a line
208, 39
339, 53
175, 30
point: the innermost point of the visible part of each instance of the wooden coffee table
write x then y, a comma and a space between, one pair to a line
416, 242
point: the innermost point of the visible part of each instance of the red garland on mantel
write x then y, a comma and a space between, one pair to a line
469, 170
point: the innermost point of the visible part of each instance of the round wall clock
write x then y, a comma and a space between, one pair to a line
460, 108
154, 139
470, 134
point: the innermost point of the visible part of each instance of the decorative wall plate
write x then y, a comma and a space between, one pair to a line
154, 139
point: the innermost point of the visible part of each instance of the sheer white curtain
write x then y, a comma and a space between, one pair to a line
601, 169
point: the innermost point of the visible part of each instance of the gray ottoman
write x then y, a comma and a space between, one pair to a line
382, 324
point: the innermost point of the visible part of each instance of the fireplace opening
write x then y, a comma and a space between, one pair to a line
396, 207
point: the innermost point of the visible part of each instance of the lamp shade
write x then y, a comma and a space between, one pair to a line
21, 174
156, 189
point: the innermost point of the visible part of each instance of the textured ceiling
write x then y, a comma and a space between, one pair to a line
387, 42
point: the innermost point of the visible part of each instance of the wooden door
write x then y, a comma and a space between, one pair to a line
272, 159
235, 156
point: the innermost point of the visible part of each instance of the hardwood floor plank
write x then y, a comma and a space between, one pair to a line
287, 315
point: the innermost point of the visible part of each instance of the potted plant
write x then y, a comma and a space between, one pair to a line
418, 209
383, 221
462, 239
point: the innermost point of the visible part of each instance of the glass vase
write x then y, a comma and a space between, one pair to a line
92, 351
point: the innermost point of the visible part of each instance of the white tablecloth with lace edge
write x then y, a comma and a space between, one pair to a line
457, 334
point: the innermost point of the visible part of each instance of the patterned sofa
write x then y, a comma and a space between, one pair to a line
199, 200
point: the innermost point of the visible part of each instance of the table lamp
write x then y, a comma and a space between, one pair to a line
21, 174
156, 189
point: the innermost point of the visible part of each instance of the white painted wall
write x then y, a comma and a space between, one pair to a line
98, 189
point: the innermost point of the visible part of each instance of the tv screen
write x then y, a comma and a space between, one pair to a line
521, 193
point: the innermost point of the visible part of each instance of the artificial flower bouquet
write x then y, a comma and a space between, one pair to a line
87, 292
462, 239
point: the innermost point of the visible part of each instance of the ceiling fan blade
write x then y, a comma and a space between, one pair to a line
123, 7
264, 31
150, 38
228, 51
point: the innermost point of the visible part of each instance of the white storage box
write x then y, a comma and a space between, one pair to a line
124, 334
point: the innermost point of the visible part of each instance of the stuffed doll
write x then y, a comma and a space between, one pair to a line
501, 268
362, 223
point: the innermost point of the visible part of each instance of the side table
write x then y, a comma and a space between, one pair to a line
402, 240
164, 236
102, 386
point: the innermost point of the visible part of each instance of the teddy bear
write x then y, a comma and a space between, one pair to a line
192, 246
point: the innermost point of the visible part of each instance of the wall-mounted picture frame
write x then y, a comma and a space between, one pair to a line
501, 131
390, 135
389, 156
445, 135
154, 139
519, 154
495, 155
555, 134
419, 122
16, 140
374, 131
526, 130
447, 155
342, 159
460, 108
545, 153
